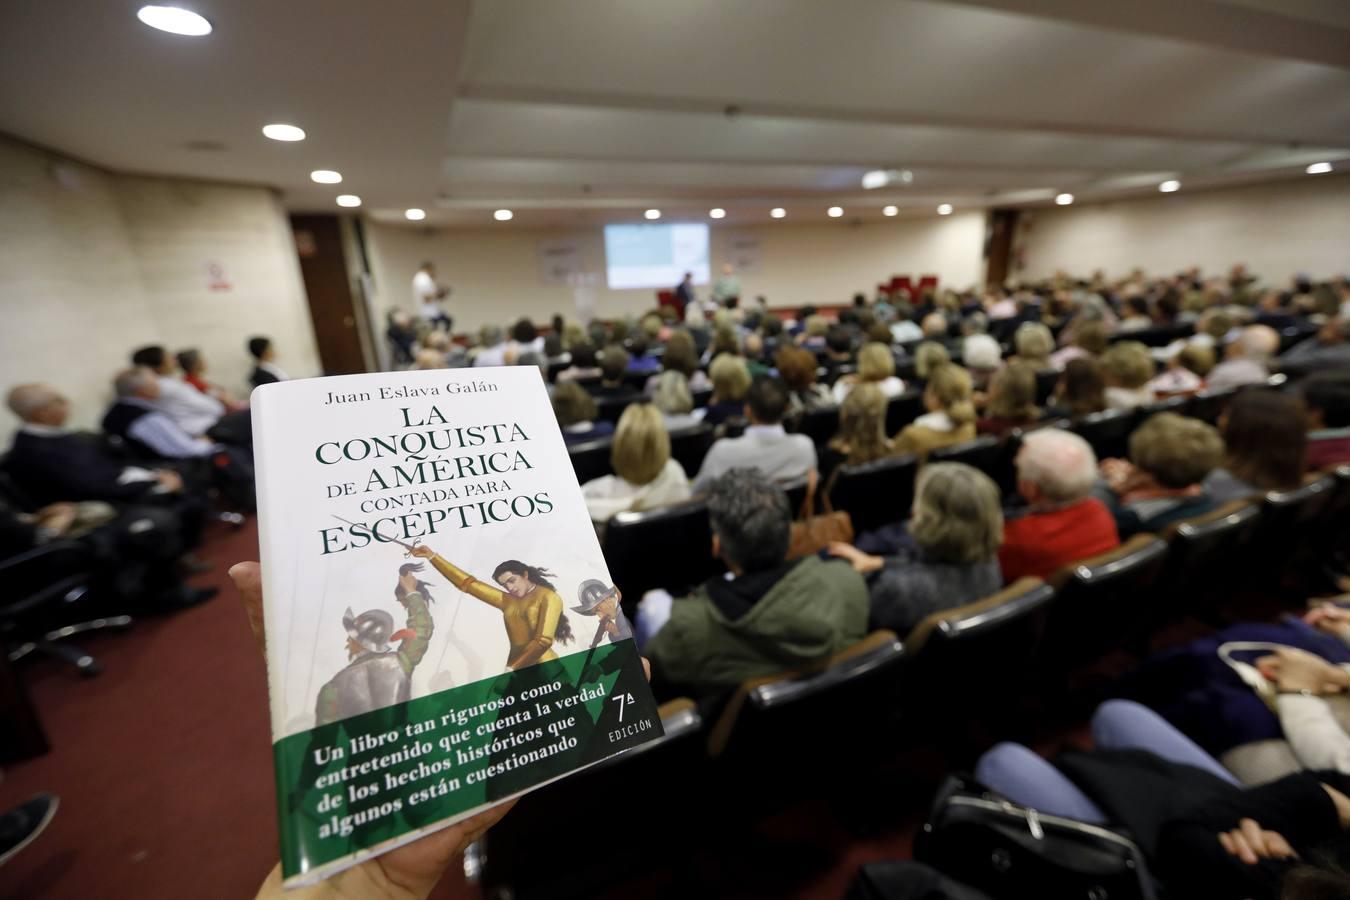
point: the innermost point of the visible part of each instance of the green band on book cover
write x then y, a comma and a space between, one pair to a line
357, 782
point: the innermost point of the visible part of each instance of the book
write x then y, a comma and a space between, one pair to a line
442, 632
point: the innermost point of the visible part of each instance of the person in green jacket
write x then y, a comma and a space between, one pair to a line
770, 615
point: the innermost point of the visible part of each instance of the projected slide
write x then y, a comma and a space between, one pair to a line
655, 256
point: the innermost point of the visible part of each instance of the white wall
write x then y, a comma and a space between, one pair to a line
494, 272
95, 264
1276, 229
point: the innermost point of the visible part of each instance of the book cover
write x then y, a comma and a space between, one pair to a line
442, 632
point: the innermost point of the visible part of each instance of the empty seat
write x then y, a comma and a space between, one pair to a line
1207, 405
590, 459
902, 410
689, 445
1108, 432
819, 424
1200, 557
984, 453
875, 493
669, 548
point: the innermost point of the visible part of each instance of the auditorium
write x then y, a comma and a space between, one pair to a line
958, 392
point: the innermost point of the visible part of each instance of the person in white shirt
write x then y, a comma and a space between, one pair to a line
427, 296
644, 476
492, 347
1247, 359
194, 412
876, 366
765, 446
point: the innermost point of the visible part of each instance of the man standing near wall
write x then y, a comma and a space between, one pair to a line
427, 296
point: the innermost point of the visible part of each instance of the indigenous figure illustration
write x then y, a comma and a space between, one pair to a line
595, 599
531, 609
377, 675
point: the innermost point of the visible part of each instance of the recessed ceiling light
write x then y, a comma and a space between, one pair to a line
503, 215
174, 20
944, 209
1064, 199
877, 178
325, 176
778, 212
280, 132
1321, 168
652, 214
834, 212
348, 200
890, 210
1168, 187
717, 213
415, 214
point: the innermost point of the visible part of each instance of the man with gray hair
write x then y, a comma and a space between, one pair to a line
1247, 359
136, 419
767, 614
1056, 471
1328, 350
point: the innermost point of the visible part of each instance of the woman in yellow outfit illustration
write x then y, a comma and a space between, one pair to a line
531, 609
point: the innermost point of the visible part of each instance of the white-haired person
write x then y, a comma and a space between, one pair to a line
1056, 470
982, 357
1247, 359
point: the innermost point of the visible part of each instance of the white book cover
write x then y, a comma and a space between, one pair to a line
442, 632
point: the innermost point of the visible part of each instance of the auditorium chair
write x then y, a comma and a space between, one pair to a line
669, 547
1102, 602
588, 383
554, 368
984, 453
522, 857
902, 410
702, 398
590, 459
1207, 405
819, 424
875, 493
44, 589
1291, 531
637, 380
1199, 571
610, 408
1156, 336
1177, 405
1108, 432
689, 445
1045, 386
796, 493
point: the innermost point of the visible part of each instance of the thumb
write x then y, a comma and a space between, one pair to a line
247, 578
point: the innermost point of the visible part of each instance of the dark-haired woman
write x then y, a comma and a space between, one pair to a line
531, 609
1265, 447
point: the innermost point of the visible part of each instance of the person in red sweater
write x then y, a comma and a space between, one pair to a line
1055, 474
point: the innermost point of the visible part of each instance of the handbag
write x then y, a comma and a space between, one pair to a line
1011, 851
813, 533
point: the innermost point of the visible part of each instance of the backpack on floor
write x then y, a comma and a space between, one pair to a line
1010, 851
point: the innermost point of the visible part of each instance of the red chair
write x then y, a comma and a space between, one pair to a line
927, 282
668, 298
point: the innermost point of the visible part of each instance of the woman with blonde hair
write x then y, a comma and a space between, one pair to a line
1034, 343
673, 400
644, 474
1128, 367
928, 356
861, 437
876, 366
730, 380
1012, 400
951, 413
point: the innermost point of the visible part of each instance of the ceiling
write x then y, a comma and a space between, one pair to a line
594, 110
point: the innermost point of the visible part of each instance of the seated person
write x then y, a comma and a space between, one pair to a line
815, 327
137, 419
576, 413
797, 368
730, 380
1128, 367
951, 414
644, 474
1170, 455
1033, 343
193, 365
1185, 372
876, 366
583, 364
937, 329
1265, 447
641, 361
1247, 359
401, 335
765, 446
1328, 350
1012, 400
838, 351
194, 412
1081, 390
1303, 681
1091, 340
1202, 834
681, 356
982, 357
861, 437
1063, 523
955, 530
766, 615
927, 357
492, 347
670, 395
613, 366
1326, 397
265, 369
525, 338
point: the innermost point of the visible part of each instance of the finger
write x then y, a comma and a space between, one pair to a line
646, 667
1241, 849
1279, 847
1256, 838
247, 578
1226, 841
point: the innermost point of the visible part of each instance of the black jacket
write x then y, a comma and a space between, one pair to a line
52, 468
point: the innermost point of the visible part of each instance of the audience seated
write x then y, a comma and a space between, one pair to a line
928, 356
583, 363
730, 381
492, 347
1247, 359
193, 365
1326, 397
1185, 373
812, 336
1170, 455
1128, 368
673, 400
982, 357
797, 368
1265, 447
951, 557
1329, 349
1082, 388
196, 413
1012, 400
1034, 343
765, 446
577, 414
644, 474
936, 328
1090, 340
838, 352
876, 366
861, 437
401, 335
265, 368
950, 416
136, 417
766, 615
681, 356
524, 339
1062, 522
641, 361
613, 366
